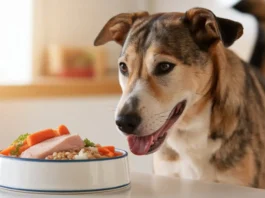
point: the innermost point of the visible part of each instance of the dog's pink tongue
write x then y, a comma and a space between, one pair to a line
140, 145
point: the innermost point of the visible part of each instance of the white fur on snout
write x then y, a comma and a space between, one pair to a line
153, 115
122, 81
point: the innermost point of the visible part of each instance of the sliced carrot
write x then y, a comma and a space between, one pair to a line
8, 150
12, 148
108, 151
110, 148
56, 132
110, 154
103, 150
63, 130
41, 136
23, 148
117, 153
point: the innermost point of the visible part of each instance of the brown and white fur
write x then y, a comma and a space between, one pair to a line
220, 135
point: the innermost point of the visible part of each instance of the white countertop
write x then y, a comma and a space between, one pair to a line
145, 185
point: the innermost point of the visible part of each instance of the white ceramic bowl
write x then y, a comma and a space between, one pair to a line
64, 176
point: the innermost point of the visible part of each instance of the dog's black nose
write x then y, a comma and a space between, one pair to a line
128, 123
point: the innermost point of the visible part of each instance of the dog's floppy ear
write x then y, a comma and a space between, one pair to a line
117, 28
208, 29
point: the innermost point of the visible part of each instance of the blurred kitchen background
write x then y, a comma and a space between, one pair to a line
51, 74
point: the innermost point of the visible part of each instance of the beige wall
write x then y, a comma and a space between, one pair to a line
77, 22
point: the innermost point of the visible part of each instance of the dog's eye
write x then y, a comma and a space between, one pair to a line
163, 68
123, 68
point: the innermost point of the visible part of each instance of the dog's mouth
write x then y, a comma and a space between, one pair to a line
142, 145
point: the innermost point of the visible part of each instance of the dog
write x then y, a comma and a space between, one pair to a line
187, 98
256, 8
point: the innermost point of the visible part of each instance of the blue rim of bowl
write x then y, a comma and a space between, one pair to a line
125, 154
65, 191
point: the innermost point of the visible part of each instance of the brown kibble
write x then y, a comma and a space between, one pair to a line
97, 155
70, 156
91, 152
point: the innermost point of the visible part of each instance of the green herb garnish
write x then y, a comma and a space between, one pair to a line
88, 143
16, 150
20, 139
18, 143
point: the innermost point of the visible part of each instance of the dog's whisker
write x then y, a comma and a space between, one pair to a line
162, 112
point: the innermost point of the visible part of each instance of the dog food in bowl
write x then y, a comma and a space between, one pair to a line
56, 161
58, 144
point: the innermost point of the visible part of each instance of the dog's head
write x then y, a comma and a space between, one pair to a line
165, 67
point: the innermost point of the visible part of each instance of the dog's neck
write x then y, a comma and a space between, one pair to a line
229, 114
222, 94
226, 93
